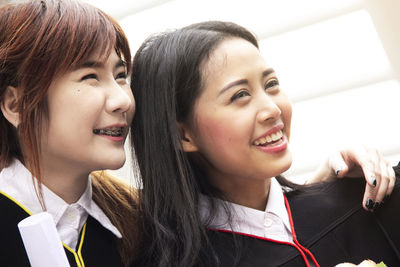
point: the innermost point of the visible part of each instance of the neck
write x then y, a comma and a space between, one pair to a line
64, 182
248, 192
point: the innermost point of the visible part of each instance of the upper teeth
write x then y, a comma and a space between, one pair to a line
115, 131
269, 138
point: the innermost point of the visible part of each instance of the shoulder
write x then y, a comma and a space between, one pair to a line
14, 211
339, 193
12, 251
317, 209
323, 207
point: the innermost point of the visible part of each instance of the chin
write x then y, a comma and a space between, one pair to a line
113, 162
283, 165
115, 165
114, 158
288, 164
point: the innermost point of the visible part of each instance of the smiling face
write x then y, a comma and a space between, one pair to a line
89, 110
242, 118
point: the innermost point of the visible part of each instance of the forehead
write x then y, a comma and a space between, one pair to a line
233, 58
97, 59
97, 55
232, 47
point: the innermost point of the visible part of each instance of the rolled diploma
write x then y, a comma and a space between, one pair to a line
42, 242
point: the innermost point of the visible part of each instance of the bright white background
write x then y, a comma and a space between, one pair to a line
338, 61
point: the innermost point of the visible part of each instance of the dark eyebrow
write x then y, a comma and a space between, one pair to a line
120, 63
268, 72
98, 64
232, 84
89, 64
265, 73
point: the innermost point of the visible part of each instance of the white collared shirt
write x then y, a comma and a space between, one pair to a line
273, 223
16, 181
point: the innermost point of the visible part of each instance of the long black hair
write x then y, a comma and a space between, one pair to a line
166, 81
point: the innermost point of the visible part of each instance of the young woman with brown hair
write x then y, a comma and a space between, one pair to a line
65, 111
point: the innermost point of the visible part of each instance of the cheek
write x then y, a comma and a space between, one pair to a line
74, 115
131, 111
286, 108
212, 133
219, 135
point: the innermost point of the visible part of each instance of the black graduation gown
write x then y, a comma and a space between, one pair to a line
96, 248
329, 225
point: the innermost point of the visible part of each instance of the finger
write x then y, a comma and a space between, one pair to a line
361, 161
381, 191
371, 166
392, 177
387, 182
383, 185
369, 196
338, 164
373, 178
371, 172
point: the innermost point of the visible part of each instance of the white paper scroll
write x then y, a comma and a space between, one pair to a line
42, 242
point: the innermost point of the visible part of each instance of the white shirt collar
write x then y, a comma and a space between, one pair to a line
16, 181
276, 202
272, 223
94, 210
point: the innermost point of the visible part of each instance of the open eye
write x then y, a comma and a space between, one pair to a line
240, 94
271, 83
90, 76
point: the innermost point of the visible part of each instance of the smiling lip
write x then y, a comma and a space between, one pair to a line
114, 138
276, 148
274, 129
119, 138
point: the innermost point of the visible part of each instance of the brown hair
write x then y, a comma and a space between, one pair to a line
120, 203
39, 40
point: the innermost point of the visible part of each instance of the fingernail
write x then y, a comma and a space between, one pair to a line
369, 204
375, 206
373, 181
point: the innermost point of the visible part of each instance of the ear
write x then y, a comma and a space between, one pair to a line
9, 107
188, 143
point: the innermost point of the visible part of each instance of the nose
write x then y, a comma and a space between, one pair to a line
268, 110
120, 99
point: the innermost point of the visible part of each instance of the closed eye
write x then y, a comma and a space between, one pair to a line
121, 75
90, 76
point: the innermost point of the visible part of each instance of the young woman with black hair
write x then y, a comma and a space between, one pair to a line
211, 135
65, 107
